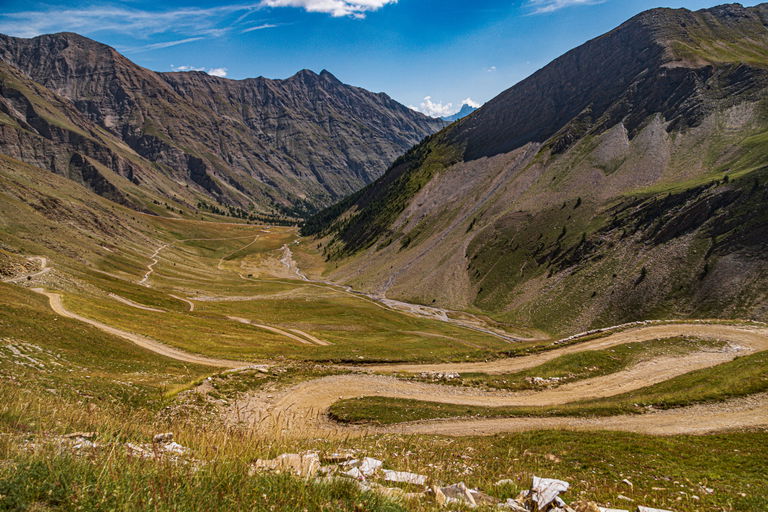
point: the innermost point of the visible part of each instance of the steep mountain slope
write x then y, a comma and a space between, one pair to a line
625, 180
288, 144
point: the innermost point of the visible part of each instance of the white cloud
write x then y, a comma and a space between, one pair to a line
491, 69
437, 109
184, 22
220, 72
433, 109
336, 8
186, 68
545, 6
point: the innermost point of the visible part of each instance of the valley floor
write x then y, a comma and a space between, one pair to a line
226, 332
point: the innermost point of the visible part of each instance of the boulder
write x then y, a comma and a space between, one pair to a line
337, 458
513, 505
81, 435
461, 494
404, 477
544, 491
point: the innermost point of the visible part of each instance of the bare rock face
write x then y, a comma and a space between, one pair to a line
296, 143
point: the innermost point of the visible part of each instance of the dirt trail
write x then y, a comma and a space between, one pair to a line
754, 339
154, 258
142, 341
44, 269
281, 332
131, 303
303, 407
420, 310
750, 412
182, 299
317, 341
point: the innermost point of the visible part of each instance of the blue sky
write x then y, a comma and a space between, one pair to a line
431, 54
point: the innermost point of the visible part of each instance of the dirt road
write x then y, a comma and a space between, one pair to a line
750, 412
752, 339
44, 269
303, 407
142, 341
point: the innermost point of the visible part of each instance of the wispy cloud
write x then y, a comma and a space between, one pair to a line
259, 27
491, 69
188, 21
184, 23
545, 6
336, 8
168, 44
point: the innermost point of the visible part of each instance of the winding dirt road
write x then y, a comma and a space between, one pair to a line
142, 341
44, 269
303, 407
301, 410
752, 339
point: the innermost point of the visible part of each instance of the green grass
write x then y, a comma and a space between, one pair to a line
595, 464
740, 377
40, 350
358, 328
113, 481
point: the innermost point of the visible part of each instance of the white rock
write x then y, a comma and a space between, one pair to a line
370, 465
513, 505
404, 477
355, 473
174, 448
545, 490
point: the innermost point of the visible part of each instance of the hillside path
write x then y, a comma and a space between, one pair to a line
44, 269
304, 406
142, 341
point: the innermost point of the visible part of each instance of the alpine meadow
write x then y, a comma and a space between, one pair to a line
293, 294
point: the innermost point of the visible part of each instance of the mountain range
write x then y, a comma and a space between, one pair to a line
627, 179
79, 108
